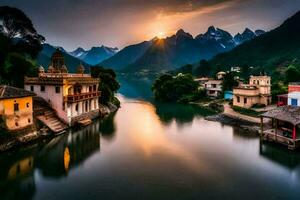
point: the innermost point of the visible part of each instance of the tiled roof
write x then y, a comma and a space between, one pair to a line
7, 92
289, 114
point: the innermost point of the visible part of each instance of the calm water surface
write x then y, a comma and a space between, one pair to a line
151, 151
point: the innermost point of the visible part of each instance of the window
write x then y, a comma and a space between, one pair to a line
257, 82
254, 82
16, 124
27, 105
238, 99
214, 85
90, 88
245, 100
95, 87
16, 107
42, 88
76, 107
57, 89
31, 88
294, 102
29, 121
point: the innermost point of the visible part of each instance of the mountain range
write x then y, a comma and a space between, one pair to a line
44, 58
272, 52
158, 55
95, 55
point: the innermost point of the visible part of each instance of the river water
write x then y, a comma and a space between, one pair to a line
151, 151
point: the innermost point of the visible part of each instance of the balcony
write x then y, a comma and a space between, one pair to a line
81, 97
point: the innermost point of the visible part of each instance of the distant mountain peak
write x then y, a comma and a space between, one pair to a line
211, 28
248, 31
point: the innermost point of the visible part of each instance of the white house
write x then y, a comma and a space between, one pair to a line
73, 96
213, 88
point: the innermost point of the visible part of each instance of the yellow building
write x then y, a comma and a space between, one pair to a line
258, 91
15, 108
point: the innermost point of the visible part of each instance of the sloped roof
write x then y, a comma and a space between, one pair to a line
214, 82
7, 92
289, 114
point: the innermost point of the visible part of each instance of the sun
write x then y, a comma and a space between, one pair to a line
161, 35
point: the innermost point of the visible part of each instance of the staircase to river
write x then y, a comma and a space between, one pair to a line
45, 114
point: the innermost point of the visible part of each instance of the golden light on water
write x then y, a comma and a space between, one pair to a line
147, 133
66, 159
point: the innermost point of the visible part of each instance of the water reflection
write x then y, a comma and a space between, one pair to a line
16, 175
54, 160
63, 153
280, 155
181, 113
152, 151
134, 88
107, 127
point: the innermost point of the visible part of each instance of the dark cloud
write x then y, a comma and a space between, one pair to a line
72, 23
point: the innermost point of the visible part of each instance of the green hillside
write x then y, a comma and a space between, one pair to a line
271, 52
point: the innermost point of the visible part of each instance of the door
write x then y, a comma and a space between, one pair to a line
294, 102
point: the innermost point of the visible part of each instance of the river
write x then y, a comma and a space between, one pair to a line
151, 151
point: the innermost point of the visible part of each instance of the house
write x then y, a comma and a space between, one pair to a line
201, 81
258, 91
294, 94
74, 96
15, 108
213, 88
284, 126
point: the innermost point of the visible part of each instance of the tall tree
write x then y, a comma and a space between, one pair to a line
18, 27
108, 84
20, 44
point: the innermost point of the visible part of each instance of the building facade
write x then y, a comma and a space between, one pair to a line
294, 94
15, 108
258, 91
74, 96
213, 88
201, 81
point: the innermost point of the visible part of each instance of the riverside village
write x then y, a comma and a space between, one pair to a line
168, 99
56, 100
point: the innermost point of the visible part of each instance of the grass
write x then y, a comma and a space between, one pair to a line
245, 111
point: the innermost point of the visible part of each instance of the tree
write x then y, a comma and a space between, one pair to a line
203, 69
15, 24
292, 74
108, 84
229, 81
20, 44
173, 89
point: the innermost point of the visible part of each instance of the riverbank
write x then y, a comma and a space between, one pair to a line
231, 117
245, 125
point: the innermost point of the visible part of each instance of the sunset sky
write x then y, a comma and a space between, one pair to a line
117, 23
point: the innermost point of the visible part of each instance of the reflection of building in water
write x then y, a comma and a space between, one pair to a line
68, 151
16, 176
278, 155
242, 134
